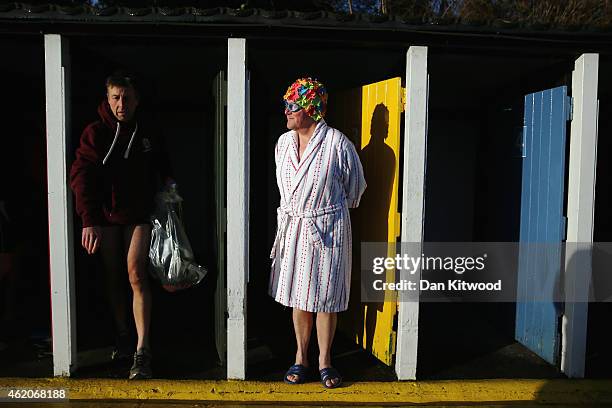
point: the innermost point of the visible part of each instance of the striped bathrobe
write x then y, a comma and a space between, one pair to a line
311, 254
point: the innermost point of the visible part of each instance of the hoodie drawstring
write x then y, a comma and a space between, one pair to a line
113, 144
127, 151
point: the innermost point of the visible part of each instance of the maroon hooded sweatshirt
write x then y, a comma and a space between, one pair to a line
118, 168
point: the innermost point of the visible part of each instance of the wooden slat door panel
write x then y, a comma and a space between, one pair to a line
542, 222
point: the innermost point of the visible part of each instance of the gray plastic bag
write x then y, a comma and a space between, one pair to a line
172, 261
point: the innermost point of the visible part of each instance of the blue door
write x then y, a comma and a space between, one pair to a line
542, 222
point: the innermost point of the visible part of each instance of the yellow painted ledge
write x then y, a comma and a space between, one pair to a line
587, 392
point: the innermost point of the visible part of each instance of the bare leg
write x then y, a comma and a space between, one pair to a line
302, 324
111, 251
326, 327
139, 237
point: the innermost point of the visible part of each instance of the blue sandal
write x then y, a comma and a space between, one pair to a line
299, 370
328, 374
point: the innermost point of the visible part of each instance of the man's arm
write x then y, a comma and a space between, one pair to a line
352, 173
85, 181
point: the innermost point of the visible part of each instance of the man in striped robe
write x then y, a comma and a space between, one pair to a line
319, 177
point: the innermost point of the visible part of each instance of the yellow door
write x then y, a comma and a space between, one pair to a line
371, 117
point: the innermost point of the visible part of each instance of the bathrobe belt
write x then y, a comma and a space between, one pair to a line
316, 236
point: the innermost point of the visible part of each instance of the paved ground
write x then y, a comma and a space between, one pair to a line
436, 393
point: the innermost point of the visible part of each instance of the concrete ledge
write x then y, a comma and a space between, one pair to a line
566, 392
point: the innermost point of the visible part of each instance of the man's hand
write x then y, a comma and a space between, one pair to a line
90, 239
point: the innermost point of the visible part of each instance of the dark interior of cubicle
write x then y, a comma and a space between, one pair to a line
176, 80
599, 336
25, 316
473, 193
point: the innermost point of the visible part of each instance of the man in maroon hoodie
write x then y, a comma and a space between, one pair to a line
119, 165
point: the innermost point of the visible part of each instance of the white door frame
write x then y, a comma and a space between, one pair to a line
580, 212
237, 207
413, 200
61, 247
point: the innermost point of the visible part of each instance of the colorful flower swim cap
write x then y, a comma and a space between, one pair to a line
310, 94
